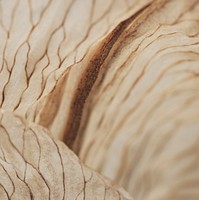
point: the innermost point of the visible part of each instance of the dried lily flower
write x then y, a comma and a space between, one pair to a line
92, 90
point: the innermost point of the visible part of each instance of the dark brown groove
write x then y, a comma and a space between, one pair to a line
89, 77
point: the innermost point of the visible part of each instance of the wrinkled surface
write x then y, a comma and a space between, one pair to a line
116, 81
34, 166
142, 117
39, 42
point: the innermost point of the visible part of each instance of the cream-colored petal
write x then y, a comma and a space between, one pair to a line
34, 166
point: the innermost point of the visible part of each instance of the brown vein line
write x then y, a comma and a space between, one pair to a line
23, 138
34, 26
5, 191
84, 187
4, 87
62, 26
104, 195
139, 77
10, 180
30, 192
56, 30
189, 9
94, 23
89, 77
153, 57
54, 87
88, 32
27, 82
134, 108
180, 15
105, 33
1, 22
39, 165
30, 12
3, 57
4, 158
38, 146
25, 161
106, 189
12, 21
119, 195
45, 54
12, 17
90, 178
29, 35
11, 71
24, 178
61, 161
4, 50
38, 170
91, 15
26, 64
78, 195
4, 63
64, 76
42, 72
120, 15
84, 38
60, 44
90, 46
43, 11
8, 31
44, 82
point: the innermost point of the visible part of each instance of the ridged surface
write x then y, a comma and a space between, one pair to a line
116, 81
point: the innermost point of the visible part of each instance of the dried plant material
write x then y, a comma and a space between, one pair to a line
117, 82
34, 166
141, 121
42, 54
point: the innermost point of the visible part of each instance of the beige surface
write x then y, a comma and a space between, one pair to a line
117, 81
34, 166
141, 125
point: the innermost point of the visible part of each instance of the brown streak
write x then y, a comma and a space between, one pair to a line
89, 77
